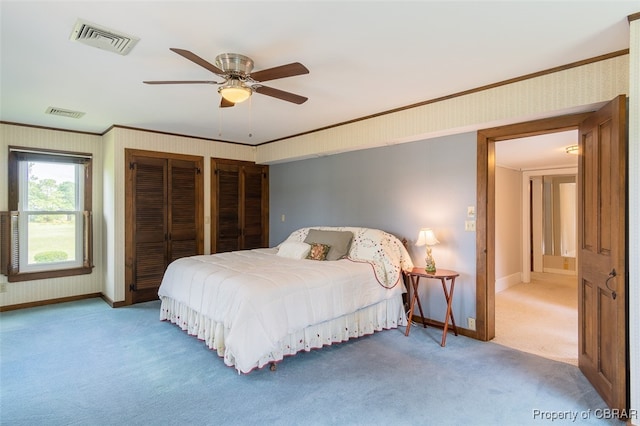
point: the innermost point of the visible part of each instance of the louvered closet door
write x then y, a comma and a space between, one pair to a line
182, 209
239, 205
227, 200
150, 222
254, 206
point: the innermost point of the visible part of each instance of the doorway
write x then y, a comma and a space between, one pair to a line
486, 210
536, 279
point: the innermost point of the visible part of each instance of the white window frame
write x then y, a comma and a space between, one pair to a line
25, 215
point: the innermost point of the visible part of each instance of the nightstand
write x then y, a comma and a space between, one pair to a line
443, 275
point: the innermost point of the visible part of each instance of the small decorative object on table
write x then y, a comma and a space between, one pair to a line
428, 238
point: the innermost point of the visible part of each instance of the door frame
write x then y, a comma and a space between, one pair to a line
485, 210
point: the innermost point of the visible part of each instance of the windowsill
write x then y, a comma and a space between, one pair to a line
42, 275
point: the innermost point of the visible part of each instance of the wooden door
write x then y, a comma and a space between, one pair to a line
255, 205
602, 284
184, 209
149, 223
226, 207
239, 205
164, 217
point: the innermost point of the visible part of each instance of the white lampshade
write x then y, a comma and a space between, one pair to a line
235, 91
426, 236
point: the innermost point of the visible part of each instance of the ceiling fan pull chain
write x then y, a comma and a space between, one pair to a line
250, 118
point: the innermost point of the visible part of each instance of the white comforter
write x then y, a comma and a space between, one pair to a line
259, 297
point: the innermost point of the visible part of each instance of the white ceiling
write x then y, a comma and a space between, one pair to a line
541, 152
364, 57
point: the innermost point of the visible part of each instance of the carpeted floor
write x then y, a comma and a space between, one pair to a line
84, 363
540, 317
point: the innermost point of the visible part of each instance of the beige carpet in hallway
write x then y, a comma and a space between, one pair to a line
540, 317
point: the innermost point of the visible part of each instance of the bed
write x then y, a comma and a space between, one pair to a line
254, 307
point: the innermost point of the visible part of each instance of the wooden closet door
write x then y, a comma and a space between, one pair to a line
239, 205
183, 209
227, 207
164, 217
149, 225
255, 206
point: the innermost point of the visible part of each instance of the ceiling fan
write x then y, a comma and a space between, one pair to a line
239, 82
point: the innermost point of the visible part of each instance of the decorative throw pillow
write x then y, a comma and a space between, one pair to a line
294, 249
318, 251
339, 241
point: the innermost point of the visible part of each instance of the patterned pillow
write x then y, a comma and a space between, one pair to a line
318, 251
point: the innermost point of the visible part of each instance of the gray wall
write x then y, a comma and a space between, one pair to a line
399, 189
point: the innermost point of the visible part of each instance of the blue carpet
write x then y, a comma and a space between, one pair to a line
84, 363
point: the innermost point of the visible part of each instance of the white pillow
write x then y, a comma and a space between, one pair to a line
294, 249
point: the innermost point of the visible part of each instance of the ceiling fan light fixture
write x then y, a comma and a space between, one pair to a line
235, 91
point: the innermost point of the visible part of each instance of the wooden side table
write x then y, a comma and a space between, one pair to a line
443, 275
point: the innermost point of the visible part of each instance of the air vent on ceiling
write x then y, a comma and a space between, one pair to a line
64, 112
102, 38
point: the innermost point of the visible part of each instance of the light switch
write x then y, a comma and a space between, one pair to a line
471, 211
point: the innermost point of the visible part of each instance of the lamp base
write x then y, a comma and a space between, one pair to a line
430, 264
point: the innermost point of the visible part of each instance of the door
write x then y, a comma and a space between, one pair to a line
602, 298
149, 222
226, 217
164, 217
239, 205
254, 206
183, 209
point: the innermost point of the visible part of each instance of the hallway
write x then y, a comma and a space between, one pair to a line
540, 317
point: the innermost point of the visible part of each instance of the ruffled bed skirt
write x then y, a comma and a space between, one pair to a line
386, 314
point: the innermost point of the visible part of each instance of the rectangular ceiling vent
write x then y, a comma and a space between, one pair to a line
64, 112
102, 38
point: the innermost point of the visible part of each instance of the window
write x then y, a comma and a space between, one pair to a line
47, 233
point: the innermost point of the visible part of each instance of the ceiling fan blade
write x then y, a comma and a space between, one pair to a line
224, 103
289, 70
280, 94
198, 60
182, 82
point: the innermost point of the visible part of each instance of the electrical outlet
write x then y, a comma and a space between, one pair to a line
3, 288
471, 323
470, 225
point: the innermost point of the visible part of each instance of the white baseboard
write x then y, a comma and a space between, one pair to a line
508, 281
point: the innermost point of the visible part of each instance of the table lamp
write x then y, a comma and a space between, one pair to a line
428, 238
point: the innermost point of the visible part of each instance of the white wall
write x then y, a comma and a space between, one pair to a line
508, 228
